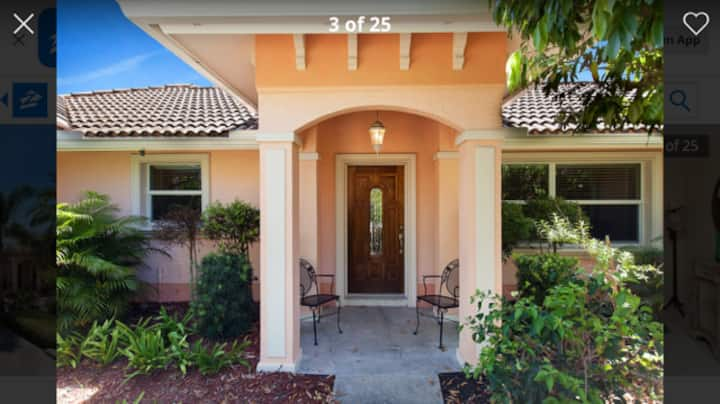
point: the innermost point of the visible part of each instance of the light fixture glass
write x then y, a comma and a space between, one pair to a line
377, 134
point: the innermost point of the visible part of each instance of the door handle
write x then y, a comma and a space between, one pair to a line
401, 237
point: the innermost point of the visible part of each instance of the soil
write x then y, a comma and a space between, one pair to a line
94, 384
458, 389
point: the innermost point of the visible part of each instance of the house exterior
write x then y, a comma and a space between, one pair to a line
286, 129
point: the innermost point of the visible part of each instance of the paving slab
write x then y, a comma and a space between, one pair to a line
377, 359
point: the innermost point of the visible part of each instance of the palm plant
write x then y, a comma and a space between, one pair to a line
11, 203
97, 252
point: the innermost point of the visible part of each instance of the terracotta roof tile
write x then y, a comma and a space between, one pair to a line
172, 110
533, 110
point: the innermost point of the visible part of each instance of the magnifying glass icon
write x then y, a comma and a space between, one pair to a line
678, 98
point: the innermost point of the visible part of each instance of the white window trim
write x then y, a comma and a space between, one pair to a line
649, 204
136, 193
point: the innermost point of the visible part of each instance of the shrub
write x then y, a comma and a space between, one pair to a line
590, 340
146, 350
648, 282
212, 361
223, 305
234, 226
542, 209
67, 351
102, 343
516, 227
537, 274
97, 252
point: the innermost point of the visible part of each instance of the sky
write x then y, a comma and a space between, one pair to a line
100, 49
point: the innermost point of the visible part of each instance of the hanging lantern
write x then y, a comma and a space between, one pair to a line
377, 134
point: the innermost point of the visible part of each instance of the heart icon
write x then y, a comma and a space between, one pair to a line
696, 21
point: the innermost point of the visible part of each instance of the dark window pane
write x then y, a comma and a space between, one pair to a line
165, 178
620, 222
524, 181
599, 181
162, 204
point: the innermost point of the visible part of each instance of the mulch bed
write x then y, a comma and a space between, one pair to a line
93, 384
457, 389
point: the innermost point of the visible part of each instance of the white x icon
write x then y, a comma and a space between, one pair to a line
23, 23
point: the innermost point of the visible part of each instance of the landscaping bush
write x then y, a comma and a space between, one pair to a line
151, 344
648, 283
102, 343
590, 340
516, 227
542, 209
537, 274
234, 226
97, 252
223, 305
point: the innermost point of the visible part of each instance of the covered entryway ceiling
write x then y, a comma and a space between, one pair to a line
182, 26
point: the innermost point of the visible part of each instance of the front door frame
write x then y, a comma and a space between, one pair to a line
342, 162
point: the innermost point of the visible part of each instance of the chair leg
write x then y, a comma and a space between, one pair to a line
442, 317
314, 327
417, 313
338, 316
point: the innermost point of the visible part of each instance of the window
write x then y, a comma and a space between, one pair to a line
376, 221
524, 181
610, 194
173, 186
163, 182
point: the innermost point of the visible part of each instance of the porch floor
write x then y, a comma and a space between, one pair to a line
377, 359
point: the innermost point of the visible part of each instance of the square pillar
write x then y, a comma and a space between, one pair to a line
480, 233
279, 253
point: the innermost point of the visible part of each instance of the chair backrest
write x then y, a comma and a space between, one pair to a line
450, 278
307, 277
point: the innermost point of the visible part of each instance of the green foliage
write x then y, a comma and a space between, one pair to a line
516, 227
67, 351
541, 210
619, 42
522, 222
101, 343
137, 400
537, 274
210, 362
97, 252
648, 281
590, 340
223, 304
234, 226
146, 349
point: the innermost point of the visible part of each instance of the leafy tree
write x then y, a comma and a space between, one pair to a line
618, 41
234, 226
96, 254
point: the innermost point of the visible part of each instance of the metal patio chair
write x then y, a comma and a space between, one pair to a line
308, 281
450, 281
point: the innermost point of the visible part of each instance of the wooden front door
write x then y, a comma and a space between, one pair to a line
375, 229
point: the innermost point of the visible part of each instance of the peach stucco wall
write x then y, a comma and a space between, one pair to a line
405, 133
233, 175
378, 60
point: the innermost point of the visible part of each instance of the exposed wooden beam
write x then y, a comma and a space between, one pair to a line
405, 40
299, 40
459, 42
352, 52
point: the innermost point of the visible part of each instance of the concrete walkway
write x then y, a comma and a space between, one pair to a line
377, 359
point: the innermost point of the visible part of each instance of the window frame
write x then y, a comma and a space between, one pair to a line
649, 205
141, 194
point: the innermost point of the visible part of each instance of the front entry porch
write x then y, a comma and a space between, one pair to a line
377, 359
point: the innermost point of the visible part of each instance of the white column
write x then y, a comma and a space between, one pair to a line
480, 233
279, 253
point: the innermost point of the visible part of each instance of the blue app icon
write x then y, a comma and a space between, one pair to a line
47, 37
30, 100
